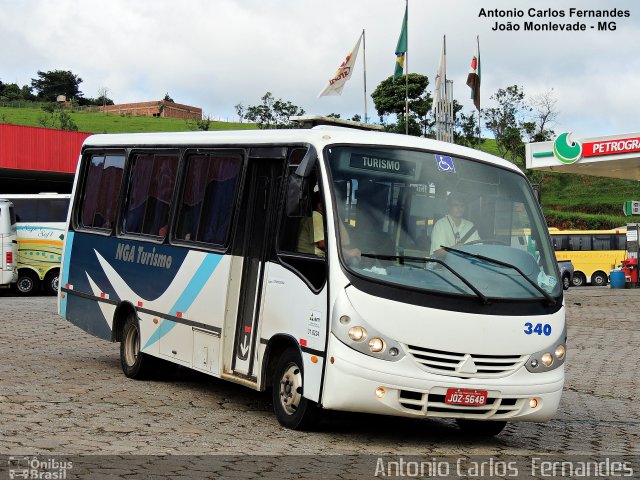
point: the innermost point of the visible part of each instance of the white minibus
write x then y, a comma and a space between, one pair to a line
331, 265
9, 252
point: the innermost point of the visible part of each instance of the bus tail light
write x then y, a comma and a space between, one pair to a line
9, 259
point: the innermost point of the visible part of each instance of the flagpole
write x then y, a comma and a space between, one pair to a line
479, 125
406, 63
364, 68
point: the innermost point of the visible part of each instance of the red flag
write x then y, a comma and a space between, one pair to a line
473, 79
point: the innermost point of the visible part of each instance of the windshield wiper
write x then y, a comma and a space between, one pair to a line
403, 258
548, 297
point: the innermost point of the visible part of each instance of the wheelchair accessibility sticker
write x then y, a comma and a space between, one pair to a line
445, 164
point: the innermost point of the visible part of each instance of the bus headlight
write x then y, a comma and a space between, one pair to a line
357, 333
547, 359
551, 357
376, 345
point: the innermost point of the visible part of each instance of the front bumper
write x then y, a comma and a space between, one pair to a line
352, 378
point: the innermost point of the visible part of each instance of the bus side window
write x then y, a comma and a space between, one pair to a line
311, 267
150, 191
208, 197
101, 187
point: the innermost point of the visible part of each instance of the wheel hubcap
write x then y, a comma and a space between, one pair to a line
132, 347
291, 389
25, 285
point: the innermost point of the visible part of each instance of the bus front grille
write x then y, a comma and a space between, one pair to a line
433, 405
467, 365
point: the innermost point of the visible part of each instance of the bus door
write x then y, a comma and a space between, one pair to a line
252, 244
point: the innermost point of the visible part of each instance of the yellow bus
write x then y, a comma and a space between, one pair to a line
594, 253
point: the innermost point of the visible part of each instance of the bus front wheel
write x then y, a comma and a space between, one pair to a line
292, 409
135, 364
479, 428
579, 280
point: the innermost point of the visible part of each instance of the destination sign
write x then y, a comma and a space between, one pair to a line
379, 164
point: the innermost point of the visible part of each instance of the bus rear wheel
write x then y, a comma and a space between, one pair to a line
134, 363
28, 282
52, 282
479, 428
291, 408
599, 279
579, 280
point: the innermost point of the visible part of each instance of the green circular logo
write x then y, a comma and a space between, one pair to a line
565, 150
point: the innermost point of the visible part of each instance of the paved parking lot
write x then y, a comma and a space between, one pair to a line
62, 392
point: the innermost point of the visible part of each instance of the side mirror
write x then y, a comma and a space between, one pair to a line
298, 198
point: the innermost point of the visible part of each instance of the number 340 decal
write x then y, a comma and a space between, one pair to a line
538, 328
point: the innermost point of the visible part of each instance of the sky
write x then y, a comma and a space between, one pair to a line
215, 54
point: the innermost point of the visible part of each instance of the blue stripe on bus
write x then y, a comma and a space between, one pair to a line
65, 273
188, 296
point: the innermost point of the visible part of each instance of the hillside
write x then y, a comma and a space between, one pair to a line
96, 122
568, 201
582, 201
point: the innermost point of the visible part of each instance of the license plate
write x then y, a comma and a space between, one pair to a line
469, 398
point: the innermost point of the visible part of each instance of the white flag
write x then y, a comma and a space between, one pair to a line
336, 84
441, 75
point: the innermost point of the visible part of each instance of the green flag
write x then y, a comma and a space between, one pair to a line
401, 48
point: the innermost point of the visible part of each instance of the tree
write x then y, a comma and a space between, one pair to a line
466, 130
11, 91
272, 113
389, 99
167, 98
203, 124
50, 84
544, 116
57, 118
515, 120
507, 122
240, 111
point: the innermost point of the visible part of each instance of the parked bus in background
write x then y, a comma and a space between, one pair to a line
594, 253
9, 243
40, 225
205, 249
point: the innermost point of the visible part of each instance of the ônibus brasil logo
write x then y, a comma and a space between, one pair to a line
566, 150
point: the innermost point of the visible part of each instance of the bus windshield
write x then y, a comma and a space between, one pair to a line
440, 223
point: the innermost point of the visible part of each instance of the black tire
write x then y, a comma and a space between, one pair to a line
291, 408
51, 282
566, 282
28, 283
579, 280
599, 279
480, 428
135, 364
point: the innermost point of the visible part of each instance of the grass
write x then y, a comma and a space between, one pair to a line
96, 122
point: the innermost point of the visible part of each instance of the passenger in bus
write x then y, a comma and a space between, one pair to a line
311, 234
452, 229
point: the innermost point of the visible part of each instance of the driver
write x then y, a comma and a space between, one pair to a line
452, 229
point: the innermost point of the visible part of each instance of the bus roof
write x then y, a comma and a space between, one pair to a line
319, 136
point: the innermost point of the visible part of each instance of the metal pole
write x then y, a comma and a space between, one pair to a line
364, 68
406, 64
